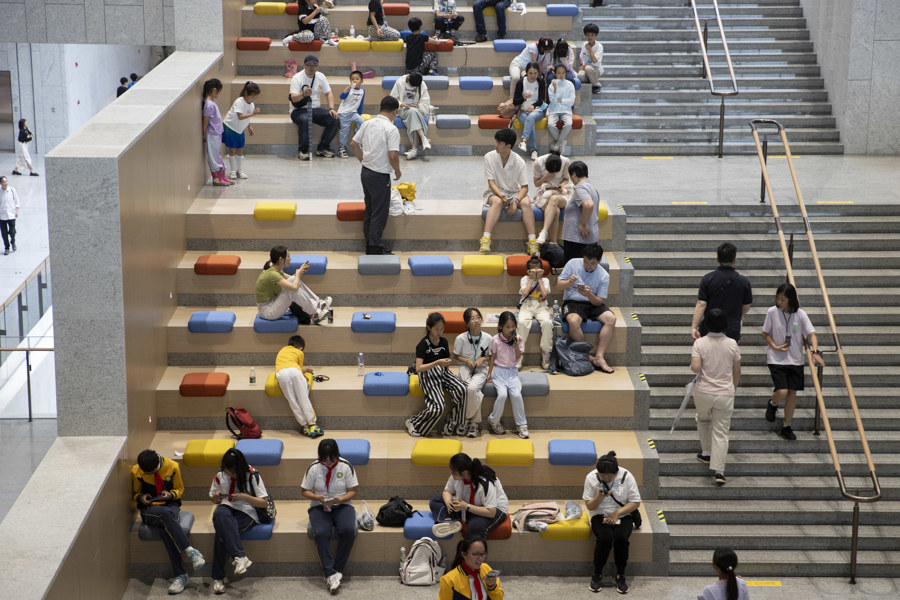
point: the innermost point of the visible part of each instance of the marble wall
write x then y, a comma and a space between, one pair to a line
858, 46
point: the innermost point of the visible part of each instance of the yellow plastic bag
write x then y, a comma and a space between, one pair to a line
407, 191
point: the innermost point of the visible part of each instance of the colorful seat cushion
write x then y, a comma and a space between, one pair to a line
354, 45
453, 122
434, 452
453, 321
602, 212
562, 10
292, 8
388, 81
354, 450
395, 9
386, 384
482, 264
572, 452
441, 46
263, 452
149, 533
275, 210
509, 45
419, 525
476, 82
504, 218
517, 265
273, 388
513, 453
259, 532
287, 323
269, 8
378, 264
313, 46
502, 532
577, 529
415, 388
437, 82
539, 214
212, 321
351, 211
217, 264
490, 11
542, 124
586, 326
577, 122
317, 263
253, 43
388, 46
378, 322
398, 123
577, 84
533, 383
194, 385
431, 265
206, 453
492, 122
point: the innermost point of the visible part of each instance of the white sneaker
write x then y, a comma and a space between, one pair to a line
446, 528
426, 143
197, 560
218, 587
240, 565
523, 145
473, 430
232, 175
333, 583
523, 432
534, 155
325, 303
542, 236
497, 427
177, 585
411, 154
411, 429
240, 175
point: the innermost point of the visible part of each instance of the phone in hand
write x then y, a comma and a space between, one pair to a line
494, 573
155, 499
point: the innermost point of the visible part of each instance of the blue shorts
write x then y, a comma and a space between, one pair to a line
232, 139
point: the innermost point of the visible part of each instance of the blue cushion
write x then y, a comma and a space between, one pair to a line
375, 264
437, 82
533, 384
539, 214
423, 266
386, 384
476, 82
453, 122
509, 45
311, 534
404, 33
577, 84
260, 531
261, 452
586, 326
419, 525
388, 81
573, 453
562, 10
517, 216
212, 321
287, 323
379, 322
317, 263
355, 450
398, 123
149, 533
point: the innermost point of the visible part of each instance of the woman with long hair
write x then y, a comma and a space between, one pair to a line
277, 293
729, 586
469, 576
472, 494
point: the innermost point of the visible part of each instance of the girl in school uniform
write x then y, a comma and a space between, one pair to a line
472, 494
469, 576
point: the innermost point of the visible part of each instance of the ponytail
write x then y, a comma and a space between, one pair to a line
726, 561
275, 254
463, 462
249, 89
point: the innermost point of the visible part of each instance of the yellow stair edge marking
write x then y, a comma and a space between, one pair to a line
764, 583
834, 202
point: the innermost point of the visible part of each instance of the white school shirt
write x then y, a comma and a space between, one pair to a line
624, 492
495, 497
585, 56
222, 483
377, 137
343, 477
242, 107
9, 203
319, 88
473, 348
529, 86
510, 178
775, 325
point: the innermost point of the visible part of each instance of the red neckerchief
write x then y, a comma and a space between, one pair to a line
230, 489
160, 484
328, 474
479, 587
471, 485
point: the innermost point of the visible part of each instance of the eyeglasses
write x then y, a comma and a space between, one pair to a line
478, 554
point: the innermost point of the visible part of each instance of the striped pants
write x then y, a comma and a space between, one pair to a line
435, 382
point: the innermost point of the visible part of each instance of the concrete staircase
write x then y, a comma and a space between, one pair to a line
654, 100
781, 508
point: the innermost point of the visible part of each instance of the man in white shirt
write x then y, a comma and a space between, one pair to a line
9, 210
507, 179
311, 85
377, 147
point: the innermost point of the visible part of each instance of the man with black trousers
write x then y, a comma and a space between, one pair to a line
723, 288
377, 146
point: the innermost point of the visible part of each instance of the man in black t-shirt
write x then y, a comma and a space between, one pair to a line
723, 288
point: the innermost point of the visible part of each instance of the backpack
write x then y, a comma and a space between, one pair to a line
267, 514
247, 429
546, 512
423, 564
553, 254
571, 358
394, 513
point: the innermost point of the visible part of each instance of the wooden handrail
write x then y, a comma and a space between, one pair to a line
27, 349
25, 283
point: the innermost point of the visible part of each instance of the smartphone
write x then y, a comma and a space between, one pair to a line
155, 499
494, 573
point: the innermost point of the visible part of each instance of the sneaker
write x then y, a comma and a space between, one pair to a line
232, 175
6, 252
303, 155
523, 145
595, 89
485, 245
218, 586
473, 430
446, 528
704, 458
325, 303
313, 431
34, 174
463, 428
787, 433
497, 428
332, 583
412, 154
220, 182
481, 37
197, 560
240, 175
621, 586
342, 152
523, 431
411, 429
719, 478
16, 172
325, 153
448, 429
177, 585
532, 247
241, 564
596, 580
542, 237
534, 155
15, 247
545, 360
770, 412
330, 41
426, 143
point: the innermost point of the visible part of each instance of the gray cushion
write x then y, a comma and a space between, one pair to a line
437, 82
453, 122
533, 384
386, 264
506, 83
150, 533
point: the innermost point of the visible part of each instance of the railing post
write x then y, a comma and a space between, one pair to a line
791, 251
854, 542
705, 48
28, 381
762, 179
818, 417
721, 126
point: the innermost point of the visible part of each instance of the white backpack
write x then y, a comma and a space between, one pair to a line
423, 564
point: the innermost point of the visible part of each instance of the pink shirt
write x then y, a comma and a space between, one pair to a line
504, 354
717, 357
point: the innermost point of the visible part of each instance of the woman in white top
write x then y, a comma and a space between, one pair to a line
717, 361
540, 52
611, 495
561, 97
9, 212
415, 104
237, 491
331, 484
729, 586
472, 494
530, 100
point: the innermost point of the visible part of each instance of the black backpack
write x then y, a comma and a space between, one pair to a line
553, 254
394, 513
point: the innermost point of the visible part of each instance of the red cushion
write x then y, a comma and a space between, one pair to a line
577, 123
502, 532
453, 321
441, 46
395, 10
313, 46
204, 384
492, 122
351, 211
217, 264
292, 8
253, 43
517, 265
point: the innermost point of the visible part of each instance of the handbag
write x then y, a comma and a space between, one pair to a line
635, 514
506, 109
394, 513
267, 514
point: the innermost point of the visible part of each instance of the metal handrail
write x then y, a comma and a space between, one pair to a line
702, 34
876, 493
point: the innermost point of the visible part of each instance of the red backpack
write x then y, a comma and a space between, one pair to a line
247, 429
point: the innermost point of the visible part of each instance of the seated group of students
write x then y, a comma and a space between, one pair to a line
473, 494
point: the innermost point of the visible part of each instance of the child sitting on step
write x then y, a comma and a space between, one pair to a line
472, 350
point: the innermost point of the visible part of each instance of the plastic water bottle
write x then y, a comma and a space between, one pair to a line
252, 375
353, 31
402, 556
444, 560
556, 311
361, 363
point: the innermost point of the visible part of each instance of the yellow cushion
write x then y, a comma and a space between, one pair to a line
393, 46
517, 453
275, 210
489, 11
273, 388
206, 453
579, 529
542, 124
434, 453
482, 264
269, 8
366, 116
602, 212
354, 45
414, 388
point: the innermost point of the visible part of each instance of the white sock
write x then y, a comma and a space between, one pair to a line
530, 236
238, 159
486, 234
231, 162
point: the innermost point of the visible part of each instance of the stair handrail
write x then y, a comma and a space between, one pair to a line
722, 94
876, 493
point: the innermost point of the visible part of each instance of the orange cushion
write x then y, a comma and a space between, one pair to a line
292, 8
351, 211
204, 384
493, 122
577, 123
395, 10
453, 321
441, 46
217, 264
253, 43
517, 265
313, 46
502, 532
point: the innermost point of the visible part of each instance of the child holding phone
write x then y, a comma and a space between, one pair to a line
506, 352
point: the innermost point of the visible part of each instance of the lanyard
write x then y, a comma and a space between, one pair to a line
476, 344
787, 322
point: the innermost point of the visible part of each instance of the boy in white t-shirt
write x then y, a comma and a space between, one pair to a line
591, 56
507, 179
535, 288
350, 110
